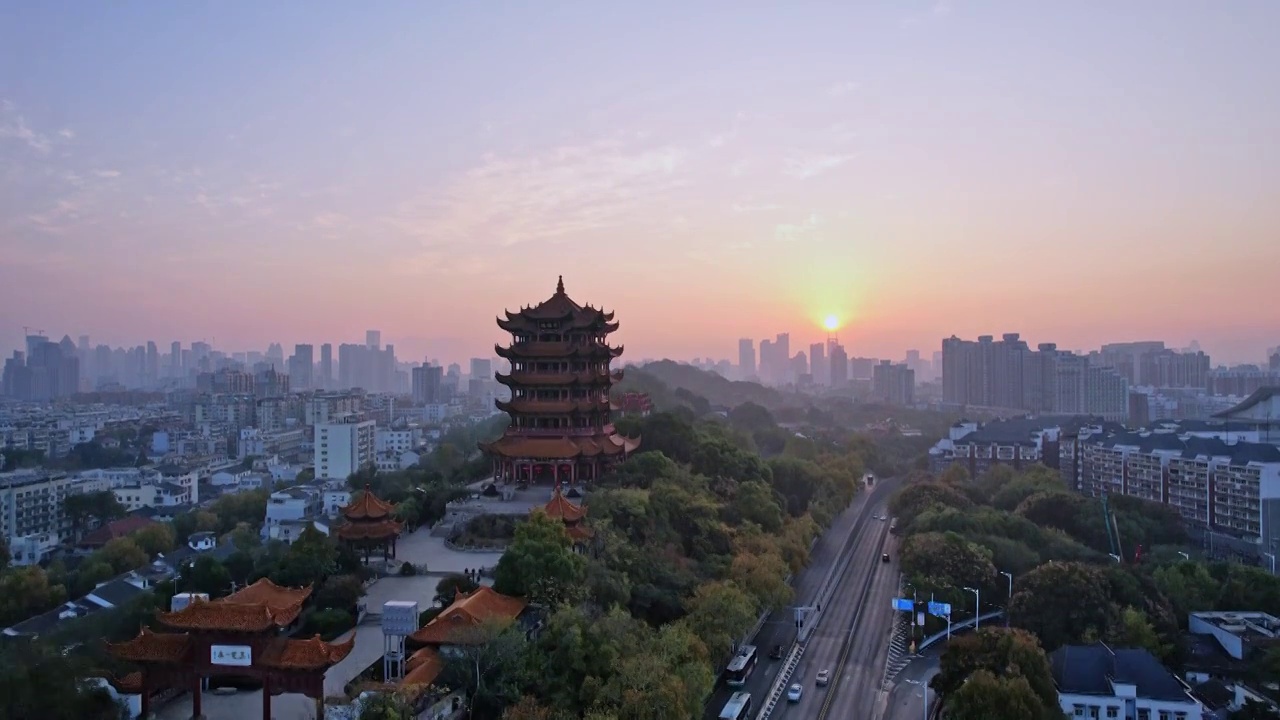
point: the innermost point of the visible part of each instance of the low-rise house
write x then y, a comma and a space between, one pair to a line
123, 527
1097, 681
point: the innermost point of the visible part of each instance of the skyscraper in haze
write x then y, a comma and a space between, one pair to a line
746, 359
373, 339
839, 362
326, 367
300, 367
818, 364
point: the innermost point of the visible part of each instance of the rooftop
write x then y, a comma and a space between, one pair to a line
1095, 669
466, 612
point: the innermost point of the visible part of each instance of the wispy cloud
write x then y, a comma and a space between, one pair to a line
814, 165
792, 232
107, 174
13, 126
937, 11
569, 190
747, 207
842, 89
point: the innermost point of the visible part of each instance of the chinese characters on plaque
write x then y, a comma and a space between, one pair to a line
237, 655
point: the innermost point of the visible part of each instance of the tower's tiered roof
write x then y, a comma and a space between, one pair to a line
369, 517
562, 308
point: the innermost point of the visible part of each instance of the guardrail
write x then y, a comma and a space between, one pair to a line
962, 625
780, 686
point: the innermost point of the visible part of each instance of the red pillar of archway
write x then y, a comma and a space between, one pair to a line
266, 698
197, 709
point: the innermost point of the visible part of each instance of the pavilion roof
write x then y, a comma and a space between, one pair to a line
562, 508
564, 447
150, 647
468, 611
424, 667
368, 506
312, 654
259, 607
369, 530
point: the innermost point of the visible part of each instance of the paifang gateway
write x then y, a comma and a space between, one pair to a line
561, 427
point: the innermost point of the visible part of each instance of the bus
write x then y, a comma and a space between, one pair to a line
738, 707
741, 666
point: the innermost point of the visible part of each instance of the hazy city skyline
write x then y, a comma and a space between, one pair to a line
301, 173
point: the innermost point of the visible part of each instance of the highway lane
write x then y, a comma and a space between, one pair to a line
852, 640
780, 628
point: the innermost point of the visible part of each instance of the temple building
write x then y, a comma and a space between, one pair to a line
241, 634
370, 524
458, 625
571, 514
561, 428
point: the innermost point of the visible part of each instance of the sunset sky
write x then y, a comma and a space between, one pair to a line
301, 171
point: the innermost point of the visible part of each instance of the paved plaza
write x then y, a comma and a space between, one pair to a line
419, 548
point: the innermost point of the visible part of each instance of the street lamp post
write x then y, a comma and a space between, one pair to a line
1184, 555
1010, 598
1273, 562
977, 606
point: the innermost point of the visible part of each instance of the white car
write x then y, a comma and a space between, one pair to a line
824, 677
794, 692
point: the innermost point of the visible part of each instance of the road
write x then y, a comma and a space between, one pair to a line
780, 628
906, 701
852, 641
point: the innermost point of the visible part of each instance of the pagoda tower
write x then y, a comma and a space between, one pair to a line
561, 428
370, 523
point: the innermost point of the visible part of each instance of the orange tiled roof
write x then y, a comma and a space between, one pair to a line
579, 533
130, 684
265, 592
560, 448
369, 530
150, 647
368, 507
562, 508
557, 350
467, 611
546, 378
237, 617
313, 654
527, 405
424, 667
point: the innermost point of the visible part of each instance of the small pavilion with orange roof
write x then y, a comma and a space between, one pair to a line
370, 523
571, 514
457, 625
241, 634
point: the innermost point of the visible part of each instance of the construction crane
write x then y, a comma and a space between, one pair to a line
1113, 530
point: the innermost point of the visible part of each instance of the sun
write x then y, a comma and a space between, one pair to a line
831, 322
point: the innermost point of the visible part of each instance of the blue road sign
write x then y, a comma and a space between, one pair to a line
903, 604
939, 609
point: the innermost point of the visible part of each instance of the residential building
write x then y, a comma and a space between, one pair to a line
839, 362
397, 440
1097, 681
343, 446
320, 407
746, 359
31, 517
894, 384
301, 366
427, 384
1226, 488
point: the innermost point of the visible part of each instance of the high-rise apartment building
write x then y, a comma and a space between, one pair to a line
893, 384
373, 339
300, 367
1006, 374
343, 446
427, 382
839, 362
325, 381
818, 365
746, 359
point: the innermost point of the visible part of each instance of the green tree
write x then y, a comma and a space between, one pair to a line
1063, 603
490, 664
308, 561
1133, 629
720, 613
155, 539
123, 554
450, 586
987, 697
385, 706
82, 508
540, 564
340, 592
206, 575
24, 592
756, 503
38, 681
1001, 652
945, 563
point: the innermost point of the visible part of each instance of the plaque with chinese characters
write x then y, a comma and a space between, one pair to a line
237, 655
